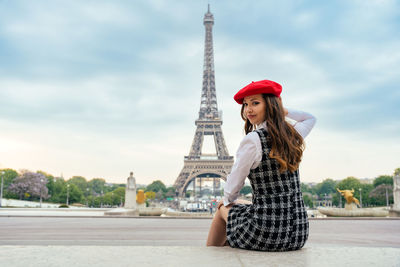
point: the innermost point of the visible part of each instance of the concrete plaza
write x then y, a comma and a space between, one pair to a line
158, 231
44, 240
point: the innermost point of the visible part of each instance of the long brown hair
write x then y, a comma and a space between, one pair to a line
287, 144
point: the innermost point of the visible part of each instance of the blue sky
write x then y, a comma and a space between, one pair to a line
100, 88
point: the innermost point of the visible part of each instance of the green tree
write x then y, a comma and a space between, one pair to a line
8, 178
80, 182
74, 193
96, 185
307, 200
57, 188
328, 186
156, 186
94, 201
397, 171
365, 191
91, 201
150, 195
246, 190
378, 194
305, 188
119, 194
109, 199
349, 183
383, 179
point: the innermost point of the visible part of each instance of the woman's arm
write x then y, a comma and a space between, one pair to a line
304, 121
245, 158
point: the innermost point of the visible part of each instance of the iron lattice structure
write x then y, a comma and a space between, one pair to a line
196, 164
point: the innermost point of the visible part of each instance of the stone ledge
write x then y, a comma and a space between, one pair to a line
194, 256
394, 213
186, 217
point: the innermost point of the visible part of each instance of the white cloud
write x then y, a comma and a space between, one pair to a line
305, 19
61, 24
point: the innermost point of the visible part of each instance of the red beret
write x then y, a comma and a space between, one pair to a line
260, 87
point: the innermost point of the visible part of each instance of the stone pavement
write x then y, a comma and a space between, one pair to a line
38, 238
193, 256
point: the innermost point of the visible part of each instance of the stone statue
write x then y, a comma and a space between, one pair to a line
396, 191
348, 195
130, 208
131, 181
130, 193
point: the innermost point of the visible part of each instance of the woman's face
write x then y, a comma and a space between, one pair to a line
254, 108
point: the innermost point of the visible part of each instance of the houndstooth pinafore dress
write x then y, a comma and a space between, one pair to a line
277, 219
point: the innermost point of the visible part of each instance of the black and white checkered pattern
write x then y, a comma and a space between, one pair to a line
277, 219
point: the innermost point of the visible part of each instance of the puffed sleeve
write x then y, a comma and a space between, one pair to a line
304, 121
246, 155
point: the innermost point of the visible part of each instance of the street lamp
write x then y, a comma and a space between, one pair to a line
312, 200
101, 199
87, 195
41, 184
1, 190
387, 197
67, 194
360, 197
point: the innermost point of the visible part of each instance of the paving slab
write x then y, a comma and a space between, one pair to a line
144, 231
193, 256
48, 237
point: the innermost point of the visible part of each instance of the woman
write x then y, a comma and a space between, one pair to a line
269, 155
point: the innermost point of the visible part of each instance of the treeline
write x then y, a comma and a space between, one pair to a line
33, 186
376, 194
371, 194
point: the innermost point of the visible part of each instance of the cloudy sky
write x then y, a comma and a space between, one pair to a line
102, 88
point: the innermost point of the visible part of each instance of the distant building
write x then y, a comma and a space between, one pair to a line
366, 180
312, 184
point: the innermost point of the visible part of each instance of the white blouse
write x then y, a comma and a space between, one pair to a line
249, 153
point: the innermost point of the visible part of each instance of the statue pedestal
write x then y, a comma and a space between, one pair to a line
351, 206
130, 193
395, 210
122, 212
394, 213
130, 207
362, 212
141, 206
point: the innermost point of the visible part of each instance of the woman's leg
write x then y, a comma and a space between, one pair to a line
217, 233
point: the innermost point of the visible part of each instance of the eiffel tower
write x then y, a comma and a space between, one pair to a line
198, 166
